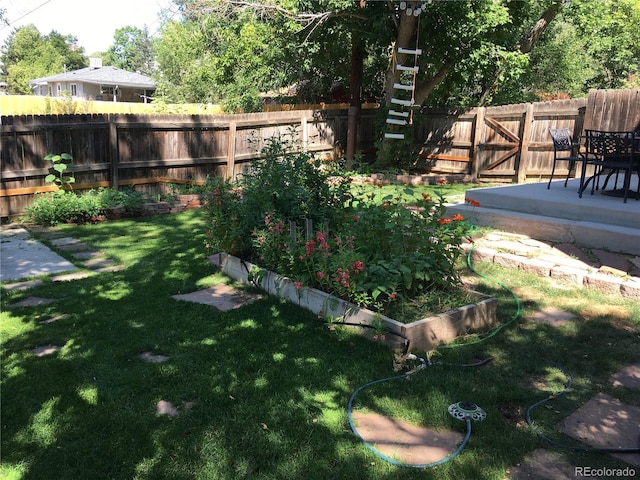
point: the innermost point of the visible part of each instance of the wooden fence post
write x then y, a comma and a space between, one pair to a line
522, 159
475, 148
305, 133
114, 153
231, 152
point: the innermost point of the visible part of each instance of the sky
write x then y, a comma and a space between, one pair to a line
92, 22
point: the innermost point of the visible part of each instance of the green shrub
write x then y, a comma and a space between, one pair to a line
62, 207
290, 217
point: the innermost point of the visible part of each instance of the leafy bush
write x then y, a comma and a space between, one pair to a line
287, 183
62, 207
130, 199
289, 217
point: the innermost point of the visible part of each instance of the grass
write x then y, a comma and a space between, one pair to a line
262, 390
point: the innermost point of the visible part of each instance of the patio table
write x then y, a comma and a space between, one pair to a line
611, 152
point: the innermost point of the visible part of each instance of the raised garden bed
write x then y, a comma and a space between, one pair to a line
423, 335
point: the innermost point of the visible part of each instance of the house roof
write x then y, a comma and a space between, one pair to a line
109, 76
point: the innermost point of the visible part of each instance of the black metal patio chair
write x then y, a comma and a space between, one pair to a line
565, 149
612, 153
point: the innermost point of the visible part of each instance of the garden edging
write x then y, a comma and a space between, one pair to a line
422, 335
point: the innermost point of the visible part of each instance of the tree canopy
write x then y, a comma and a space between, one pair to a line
132, 50
27, 54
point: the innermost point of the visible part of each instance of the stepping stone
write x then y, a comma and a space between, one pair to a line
551, 316
53, 319
221, 296
22, 285
64, 241
46, 350
32, 302
628, 377
542, 465
605, 422
153, 357
166, 408
72, 276
75, 247
405, 442
110, 268
98, 262
87, 255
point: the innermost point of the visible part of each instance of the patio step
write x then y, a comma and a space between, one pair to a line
557, 230
557, 215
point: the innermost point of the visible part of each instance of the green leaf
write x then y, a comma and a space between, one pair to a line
60, 167
50, 178
66, 156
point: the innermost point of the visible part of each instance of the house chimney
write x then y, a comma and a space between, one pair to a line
95, 62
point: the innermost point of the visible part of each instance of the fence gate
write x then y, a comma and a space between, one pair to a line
499, 134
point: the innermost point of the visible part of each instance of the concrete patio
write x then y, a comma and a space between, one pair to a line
559, 214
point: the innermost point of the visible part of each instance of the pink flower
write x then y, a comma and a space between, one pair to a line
357, 266
375, 337
332, 327
297, 285
320, 275
392, 296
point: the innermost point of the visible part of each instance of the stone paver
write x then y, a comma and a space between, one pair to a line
32, 302
153, 357
551, 316
405, 442
221, 296
45, 350
611, 273
628, 377
606, 422
542, 465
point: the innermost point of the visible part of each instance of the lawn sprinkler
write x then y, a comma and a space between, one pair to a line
466, 411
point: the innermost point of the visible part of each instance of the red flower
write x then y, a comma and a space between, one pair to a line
473, 203
442, 181
356, 218
457, 217
444, 221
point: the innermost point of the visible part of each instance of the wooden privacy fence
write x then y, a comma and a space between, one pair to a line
494, 144
116, 150
511, 143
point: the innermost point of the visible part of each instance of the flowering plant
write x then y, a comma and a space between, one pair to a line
367, 250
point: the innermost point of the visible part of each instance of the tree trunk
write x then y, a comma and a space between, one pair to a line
355, 103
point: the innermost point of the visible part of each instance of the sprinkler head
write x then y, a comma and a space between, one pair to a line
466, 410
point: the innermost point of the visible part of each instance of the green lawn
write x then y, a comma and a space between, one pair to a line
262, 390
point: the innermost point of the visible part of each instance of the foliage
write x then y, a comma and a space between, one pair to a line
132, 50
60, 167
287, 217
129, 198
285, 181
27, 55
64, 206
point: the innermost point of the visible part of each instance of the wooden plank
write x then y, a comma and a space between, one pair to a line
502, 158
451, 158
522, 159
477, 136
502, 129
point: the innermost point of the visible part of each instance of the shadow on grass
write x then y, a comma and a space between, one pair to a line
262, 390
